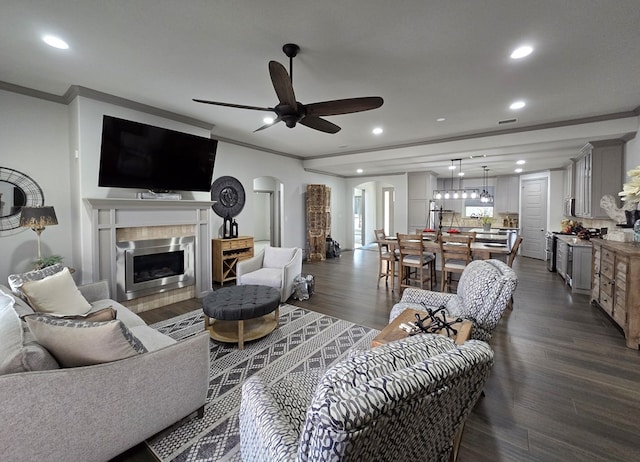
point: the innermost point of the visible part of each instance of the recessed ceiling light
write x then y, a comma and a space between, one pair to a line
517, 105
521, 162
521, 52
440, 119
359, 170
268, 120
376, 131
55, 42
518, 170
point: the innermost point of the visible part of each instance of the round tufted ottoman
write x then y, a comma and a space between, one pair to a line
241, 313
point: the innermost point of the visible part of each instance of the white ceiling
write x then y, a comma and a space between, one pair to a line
427, 59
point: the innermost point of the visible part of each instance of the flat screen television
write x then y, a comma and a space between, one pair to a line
136, 155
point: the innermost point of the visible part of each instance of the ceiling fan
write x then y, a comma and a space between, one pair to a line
290, 111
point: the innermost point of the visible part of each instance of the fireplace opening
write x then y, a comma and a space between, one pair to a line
153, 266
159, 265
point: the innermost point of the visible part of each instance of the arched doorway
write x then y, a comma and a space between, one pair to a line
373, 208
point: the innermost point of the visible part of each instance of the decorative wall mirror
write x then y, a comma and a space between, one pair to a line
16, 191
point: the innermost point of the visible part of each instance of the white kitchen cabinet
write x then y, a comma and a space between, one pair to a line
507, 195
598, 172
568, 179
420, 188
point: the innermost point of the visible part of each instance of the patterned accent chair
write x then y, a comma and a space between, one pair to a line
406, 400
484, 291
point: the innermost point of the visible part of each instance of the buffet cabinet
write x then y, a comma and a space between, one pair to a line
615, 288
225, 255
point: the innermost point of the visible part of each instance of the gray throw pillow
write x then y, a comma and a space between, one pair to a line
81, 343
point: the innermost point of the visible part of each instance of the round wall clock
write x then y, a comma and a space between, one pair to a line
229, 197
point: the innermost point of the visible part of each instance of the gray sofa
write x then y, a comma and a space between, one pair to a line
94, 413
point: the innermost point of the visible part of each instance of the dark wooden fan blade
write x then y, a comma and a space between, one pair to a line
268, 125
239, 106
320, 124
344, 106
282, 84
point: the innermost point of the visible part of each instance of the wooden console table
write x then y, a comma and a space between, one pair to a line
226, 253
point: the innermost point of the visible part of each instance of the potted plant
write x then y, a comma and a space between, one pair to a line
43, 262
486, 222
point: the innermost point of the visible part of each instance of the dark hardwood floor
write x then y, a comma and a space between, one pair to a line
563, 387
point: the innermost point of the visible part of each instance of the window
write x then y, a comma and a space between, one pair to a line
475, 208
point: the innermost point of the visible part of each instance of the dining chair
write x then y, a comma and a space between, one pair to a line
514, 251
455, 252
415, 266
387, 259
510, 258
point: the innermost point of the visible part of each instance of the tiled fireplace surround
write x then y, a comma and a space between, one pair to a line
117, 220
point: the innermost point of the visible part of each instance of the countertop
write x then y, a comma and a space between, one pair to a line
573, 241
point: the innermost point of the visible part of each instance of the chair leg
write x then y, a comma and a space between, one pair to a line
392, 273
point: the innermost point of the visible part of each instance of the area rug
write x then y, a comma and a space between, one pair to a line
304, 341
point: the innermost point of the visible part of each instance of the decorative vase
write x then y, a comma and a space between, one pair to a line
486, 227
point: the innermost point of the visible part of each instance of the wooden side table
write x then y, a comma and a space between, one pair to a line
393, 332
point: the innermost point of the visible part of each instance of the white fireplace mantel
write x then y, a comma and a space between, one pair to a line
109, 215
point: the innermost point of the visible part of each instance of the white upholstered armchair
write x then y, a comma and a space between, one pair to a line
274, 267
406, 400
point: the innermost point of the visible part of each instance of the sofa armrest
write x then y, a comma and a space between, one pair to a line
60, 414
290, 272
95, 291
250, 264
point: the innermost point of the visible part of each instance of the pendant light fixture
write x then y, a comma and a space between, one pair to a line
484, 195
452, 192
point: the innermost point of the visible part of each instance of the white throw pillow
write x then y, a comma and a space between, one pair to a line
10, 334
277, 257
81, 343
18, 352
56, 294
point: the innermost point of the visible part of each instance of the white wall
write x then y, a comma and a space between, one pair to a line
40, 139
34, 140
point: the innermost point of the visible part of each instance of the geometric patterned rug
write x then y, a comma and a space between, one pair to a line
304, 341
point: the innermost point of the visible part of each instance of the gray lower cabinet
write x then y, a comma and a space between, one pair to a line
573, 262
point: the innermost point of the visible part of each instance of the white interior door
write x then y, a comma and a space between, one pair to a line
533, 221
388, 199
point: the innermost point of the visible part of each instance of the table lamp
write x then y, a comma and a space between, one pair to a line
37, 218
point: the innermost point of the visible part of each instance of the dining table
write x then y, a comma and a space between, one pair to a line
479, 250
